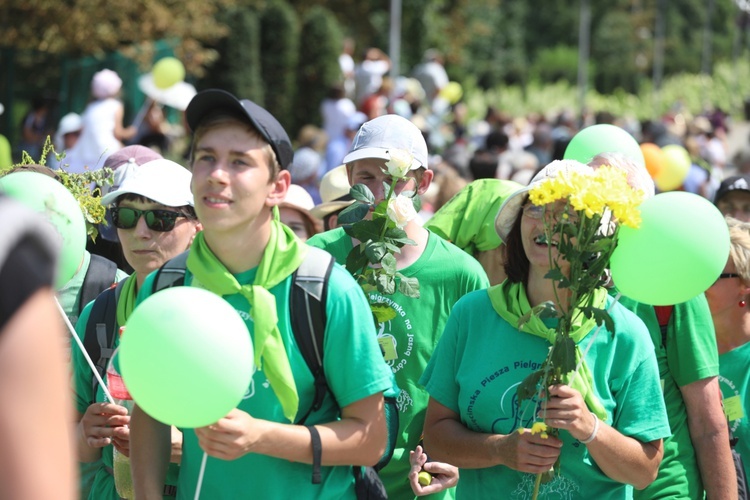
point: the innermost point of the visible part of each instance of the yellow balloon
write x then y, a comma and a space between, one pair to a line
167, 72
452, 92
675, 168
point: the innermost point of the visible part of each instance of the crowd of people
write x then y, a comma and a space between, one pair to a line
248, 207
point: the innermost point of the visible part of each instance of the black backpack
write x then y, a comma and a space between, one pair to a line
100, 276
308, 314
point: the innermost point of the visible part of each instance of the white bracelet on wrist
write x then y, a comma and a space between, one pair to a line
593, 433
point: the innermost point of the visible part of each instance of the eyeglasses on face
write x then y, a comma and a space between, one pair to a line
728, 275
156, 220
538, 212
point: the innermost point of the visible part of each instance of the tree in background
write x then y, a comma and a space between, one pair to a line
93, 27
238, 70
279, 43
318, 69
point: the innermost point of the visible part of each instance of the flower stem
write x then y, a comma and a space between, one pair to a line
536, 487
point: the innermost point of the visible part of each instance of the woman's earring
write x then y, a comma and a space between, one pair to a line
742, 303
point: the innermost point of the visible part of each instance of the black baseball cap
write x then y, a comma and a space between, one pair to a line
208, 101
735, 183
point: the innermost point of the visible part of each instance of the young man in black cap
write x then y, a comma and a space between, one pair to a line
239, 160
733, 197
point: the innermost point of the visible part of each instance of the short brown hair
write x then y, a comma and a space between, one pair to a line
222, 118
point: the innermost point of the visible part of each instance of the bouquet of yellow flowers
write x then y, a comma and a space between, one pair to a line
372, 261
595, 203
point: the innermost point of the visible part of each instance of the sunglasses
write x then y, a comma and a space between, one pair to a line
156, 220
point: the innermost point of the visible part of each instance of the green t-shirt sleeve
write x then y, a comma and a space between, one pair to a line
691, 342
82, 375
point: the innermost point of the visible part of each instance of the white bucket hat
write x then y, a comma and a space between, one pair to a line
388, 132
510, 208
162, 181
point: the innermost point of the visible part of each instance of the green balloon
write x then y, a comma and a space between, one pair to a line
603, 138
186, 357
49, 197
678, 251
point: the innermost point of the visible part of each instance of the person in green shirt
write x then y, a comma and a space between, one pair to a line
728, 301
239, 159
155, 221
445, 274
697, 460
473, 417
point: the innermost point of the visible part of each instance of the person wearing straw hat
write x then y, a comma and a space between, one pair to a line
334, 192
294, 212
445, 274
474, 417
240, 160
155, 220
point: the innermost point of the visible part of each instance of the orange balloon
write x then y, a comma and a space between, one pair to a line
654, 157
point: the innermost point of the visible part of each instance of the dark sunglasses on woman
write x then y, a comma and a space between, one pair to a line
156, 220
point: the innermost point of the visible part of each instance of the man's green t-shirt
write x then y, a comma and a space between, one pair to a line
445, 274
354, 370
690, 355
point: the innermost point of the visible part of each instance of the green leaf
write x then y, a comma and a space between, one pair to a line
386, 190
383, 312
366, 230
389, 264
564, 354
353, 213
408, 286
601, 316
395, 233
528, 388
381, 210
375, 251
417, 201
362, 193
543, 311
386, 284
356, 260
555, 274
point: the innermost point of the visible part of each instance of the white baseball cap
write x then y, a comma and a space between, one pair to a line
162, 181
376, 137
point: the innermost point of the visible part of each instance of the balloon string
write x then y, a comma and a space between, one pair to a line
200, 477
85, 354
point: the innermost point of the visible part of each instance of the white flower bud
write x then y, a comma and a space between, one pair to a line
400, 163
401, 210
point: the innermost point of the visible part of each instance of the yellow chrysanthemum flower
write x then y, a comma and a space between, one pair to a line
539, 428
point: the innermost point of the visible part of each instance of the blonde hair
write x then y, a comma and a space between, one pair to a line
739, 246
222, 119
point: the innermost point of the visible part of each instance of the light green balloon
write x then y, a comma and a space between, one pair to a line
50, 198
186, 357
603, 138
678, 251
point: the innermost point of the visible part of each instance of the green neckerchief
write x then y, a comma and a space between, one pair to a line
510, 301
282, 256
126, 302
468, 219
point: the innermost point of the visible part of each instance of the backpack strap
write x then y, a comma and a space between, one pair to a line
101, 331
100, 275
172, 273
307, 304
